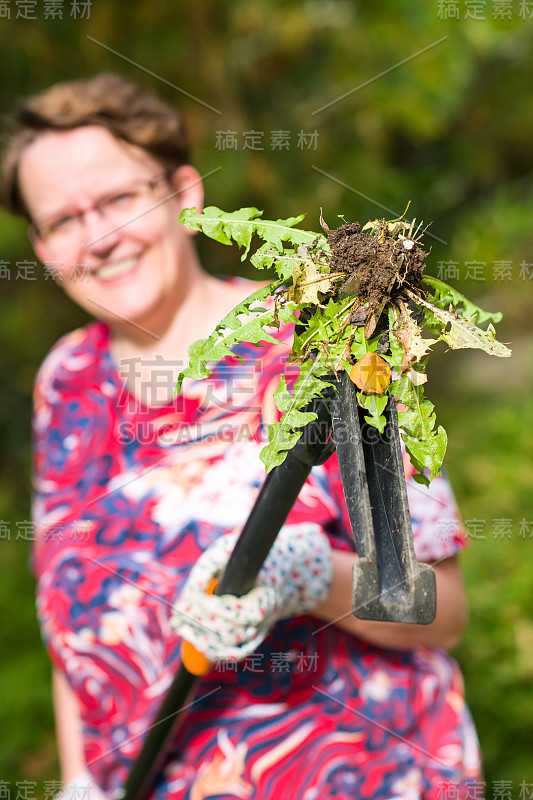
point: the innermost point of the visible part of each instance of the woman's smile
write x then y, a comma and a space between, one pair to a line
116, 271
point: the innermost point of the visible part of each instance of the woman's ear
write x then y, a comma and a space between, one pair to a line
187, 182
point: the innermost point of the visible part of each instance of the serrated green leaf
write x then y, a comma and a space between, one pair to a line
375, 404
244, 323
445, 295
425, 446
221, 226
360, 345
324, 325
428, 452
267, 256
405, 330
284, 434
239, 226
465, 333
218, 347
281, 230
293, 417
311, 381
280, 442
189, 218
396, 350
307, 387
308, 280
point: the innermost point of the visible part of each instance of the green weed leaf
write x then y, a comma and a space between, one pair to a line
445, 296
425, 445
245, 323
330, 326
239, 226
375, 404
459, 332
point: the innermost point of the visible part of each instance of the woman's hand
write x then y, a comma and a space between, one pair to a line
294, 579
445, 631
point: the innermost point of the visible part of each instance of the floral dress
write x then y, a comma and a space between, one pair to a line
126, 499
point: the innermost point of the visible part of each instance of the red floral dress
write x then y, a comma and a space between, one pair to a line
127, 497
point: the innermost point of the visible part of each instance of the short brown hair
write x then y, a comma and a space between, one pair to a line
126, 109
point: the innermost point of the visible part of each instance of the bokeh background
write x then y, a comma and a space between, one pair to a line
357, 108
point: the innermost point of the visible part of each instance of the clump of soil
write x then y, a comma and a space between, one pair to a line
377, 266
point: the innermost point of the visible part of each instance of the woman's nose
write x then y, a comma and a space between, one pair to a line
100, 234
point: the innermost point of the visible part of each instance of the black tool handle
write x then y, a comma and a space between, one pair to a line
272, 506
389, 584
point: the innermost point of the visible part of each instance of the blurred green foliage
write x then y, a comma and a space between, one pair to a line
408, 105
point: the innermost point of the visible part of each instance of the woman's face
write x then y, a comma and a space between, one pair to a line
115, 271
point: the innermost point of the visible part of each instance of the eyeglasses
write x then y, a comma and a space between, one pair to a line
118, 208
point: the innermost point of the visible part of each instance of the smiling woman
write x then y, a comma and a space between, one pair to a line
134, 485
101, 204
100, 170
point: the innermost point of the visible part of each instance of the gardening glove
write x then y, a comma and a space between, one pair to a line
82, 787
294, 579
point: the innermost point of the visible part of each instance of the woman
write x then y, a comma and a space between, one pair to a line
133, 485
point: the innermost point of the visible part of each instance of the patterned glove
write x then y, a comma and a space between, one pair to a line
294, 579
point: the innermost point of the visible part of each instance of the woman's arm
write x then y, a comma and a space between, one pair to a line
68, 728
445, 631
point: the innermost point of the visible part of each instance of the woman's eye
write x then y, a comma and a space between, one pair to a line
120, 199
62, 223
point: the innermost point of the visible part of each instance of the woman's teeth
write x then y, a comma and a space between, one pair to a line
111, 271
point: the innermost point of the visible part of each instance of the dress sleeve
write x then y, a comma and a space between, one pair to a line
438, 531
70, 412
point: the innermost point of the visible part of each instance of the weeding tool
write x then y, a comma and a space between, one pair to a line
389, 584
